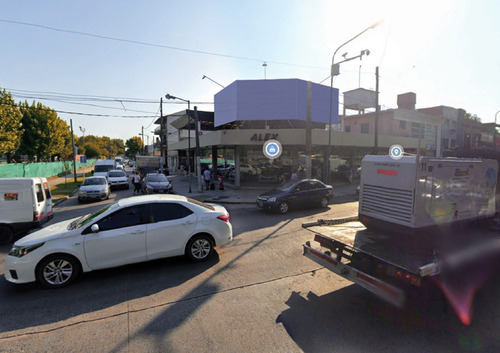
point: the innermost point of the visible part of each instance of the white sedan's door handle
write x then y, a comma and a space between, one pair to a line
138, 232
188, 222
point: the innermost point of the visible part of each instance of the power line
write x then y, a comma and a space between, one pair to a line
155, 45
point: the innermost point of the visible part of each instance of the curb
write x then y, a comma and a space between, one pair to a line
62, 199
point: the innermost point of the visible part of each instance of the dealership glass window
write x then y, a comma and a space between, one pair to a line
365, 128
348, 128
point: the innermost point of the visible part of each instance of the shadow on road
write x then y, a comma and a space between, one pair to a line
353, 320
95, 291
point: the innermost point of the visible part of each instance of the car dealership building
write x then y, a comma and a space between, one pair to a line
301, 115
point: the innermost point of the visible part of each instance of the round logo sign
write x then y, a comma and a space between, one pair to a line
396, 152
272, 149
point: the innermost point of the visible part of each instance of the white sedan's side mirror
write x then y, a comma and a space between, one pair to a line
94, 228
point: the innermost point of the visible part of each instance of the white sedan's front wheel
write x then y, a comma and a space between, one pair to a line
57, 271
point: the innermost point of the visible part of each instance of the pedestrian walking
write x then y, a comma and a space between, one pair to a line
221, 184
207, 177
137, 183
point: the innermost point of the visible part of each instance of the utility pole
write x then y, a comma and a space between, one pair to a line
162, 128
142, 135
197, 149
377, 111
74, 149
308, 133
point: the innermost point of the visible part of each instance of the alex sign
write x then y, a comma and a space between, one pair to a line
263, 137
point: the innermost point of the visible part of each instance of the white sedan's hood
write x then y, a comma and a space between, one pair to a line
47, 233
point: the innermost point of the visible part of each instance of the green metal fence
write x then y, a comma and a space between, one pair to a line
45, 170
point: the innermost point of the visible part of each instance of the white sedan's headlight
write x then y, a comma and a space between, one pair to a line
20, 251
271, 199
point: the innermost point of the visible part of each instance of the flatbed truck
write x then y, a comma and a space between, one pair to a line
394, 268
394, 257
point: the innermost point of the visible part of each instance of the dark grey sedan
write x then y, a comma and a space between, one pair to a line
156, 183
293, 194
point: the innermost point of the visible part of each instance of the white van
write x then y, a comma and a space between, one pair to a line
103, 166
25, 204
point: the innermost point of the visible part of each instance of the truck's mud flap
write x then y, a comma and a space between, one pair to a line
385, 291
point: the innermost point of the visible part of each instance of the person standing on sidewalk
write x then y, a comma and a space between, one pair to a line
207, 177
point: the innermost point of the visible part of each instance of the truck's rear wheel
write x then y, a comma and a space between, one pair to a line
6, 235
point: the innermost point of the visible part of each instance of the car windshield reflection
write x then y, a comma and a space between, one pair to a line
157, 178
92, 181
90, 217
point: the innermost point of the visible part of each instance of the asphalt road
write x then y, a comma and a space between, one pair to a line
258, 294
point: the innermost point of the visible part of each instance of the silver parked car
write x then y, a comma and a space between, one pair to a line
94, 188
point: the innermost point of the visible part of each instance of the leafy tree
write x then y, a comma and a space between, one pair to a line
100, 147
45, 134
92, 147
474, 117
118, 147
92, 151
10, 125
59, 138
133, 145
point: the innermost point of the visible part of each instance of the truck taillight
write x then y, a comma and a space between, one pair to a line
224, 217
404, 276
36, 216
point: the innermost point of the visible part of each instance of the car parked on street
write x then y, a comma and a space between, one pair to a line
293, 194
94, 188
117, 178
156, 183
132, 230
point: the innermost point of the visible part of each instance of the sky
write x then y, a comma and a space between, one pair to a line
104, 65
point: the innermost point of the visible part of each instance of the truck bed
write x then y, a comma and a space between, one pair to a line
420, 254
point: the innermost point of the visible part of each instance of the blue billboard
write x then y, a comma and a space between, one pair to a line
284, 99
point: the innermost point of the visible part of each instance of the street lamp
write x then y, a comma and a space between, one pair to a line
83, 134
217, 83
168, 96
335, 72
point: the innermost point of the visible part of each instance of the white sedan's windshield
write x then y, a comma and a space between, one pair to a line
90, 217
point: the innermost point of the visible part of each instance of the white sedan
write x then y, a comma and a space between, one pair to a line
131, 230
